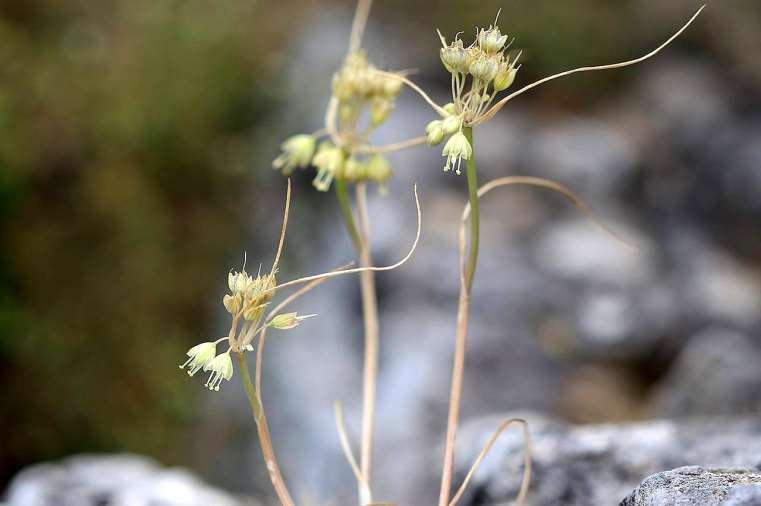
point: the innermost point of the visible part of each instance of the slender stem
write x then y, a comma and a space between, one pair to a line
370, 316
263, 431
467, 273
470, 270
361, 239
345, 205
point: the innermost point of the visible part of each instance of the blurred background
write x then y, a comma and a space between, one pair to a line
136, 139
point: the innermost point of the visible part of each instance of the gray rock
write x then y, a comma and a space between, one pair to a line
716, 373
695, 485
601, 464
117, 480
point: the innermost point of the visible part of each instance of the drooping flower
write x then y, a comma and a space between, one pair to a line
297, 152
456, 149
329, 161
221, 368
200, 355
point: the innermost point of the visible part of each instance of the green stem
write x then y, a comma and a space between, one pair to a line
461, 334
470, 268
345, 205
248, 386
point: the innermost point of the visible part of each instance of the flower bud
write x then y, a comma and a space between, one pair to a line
380, 110
287, 321
391, 86
505, 77
343, 88
451, 124
354, 170
434, 132
378, 169
450, 108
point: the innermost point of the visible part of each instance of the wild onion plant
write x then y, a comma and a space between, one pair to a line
363, 97
248, 302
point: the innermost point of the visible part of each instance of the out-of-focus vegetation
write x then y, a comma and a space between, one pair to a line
124, 145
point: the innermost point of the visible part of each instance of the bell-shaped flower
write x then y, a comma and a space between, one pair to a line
221, 368
297, 152
456, 150
199, 356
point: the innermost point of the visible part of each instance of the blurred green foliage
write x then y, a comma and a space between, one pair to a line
124, 145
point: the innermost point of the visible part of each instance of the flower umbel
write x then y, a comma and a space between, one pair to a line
456, 149
200, 355
221, 368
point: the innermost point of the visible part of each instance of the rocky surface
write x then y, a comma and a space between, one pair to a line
590, 465
691, 485
715, 373
119, 480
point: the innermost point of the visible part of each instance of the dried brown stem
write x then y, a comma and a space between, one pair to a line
327, 275
370, 317
493, 439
